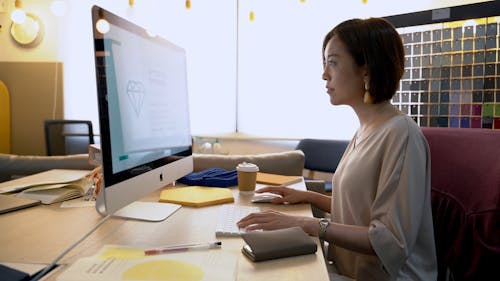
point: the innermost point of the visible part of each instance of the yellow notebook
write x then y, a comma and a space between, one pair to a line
197, 196
274, 179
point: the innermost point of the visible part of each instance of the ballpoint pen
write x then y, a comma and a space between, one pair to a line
168, 249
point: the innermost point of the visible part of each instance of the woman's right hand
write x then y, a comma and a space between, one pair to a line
289, 195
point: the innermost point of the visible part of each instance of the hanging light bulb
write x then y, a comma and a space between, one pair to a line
303, 1
188, 4
18, 15
364, 1
130, 9
251, 16
58, 8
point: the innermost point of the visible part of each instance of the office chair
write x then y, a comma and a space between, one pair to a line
322, 156
66, 137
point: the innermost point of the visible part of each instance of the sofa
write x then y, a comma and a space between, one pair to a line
14, 166
290, 163
286, 163
465, 195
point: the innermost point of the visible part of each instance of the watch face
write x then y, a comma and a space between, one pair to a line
323, 225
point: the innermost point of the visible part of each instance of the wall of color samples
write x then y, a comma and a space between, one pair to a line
452, 74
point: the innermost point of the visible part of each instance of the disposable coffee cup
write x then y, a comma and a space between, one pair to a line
247, 177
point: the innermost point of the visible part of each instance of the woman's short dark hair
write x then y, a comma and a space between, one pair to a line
374, 42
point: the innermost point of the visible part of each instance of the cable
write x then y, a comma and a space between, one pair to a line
54, 262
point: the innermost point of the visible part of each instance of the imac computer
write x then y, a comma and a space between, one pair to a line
143, 116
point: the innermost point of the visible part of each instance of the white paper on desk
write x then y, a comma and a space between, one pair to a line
53, 193
113, 263
78, 203
55, 176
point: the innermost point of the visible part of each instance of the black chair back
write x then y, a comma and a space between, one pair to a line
322, 155
66, 137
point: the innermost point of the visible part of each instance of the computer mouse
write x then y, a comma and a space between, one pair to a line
264, 197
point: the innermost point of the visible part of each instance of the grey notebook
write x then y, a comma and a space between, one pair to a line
281, 243
10, 203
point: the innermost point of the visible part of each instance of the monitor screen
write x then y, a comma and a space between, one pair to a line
143, 110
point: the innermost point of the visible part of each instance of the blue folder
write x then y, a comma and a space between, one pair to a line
215, 177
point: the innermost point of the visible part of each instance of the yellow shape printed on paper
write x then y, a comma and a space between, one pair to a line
122, 253
165, 270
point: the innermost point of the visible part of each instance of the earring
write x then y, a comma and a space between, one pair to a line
367, 98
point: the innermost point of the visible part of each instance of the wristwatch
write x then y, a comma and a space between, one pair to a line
323, 226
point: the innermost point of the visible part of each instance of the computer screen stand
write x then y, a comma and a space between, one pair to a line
147, 211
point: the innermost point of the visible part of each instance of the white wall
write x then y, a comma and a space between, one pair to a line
278, 58
208, 34
280, 65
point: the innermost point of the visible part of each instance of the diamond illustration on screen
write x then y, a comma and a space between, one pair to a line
136, 93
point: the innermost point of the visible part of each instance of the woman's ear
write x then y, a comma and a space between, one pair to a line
367, 97
366, 76
364, 72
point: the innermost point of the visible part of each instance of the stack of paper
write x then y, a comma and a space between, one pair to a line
274, 179
51, 186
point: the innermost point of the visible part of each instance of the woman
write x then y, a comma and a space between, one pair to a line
381, 221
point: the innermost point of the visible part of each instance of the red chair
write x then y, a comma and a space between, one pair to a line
465, 181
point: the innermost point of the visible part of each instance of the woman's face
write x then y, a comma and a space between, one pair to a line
344, 79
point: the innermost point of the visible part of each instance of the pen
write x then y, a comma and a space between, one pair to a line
158, 251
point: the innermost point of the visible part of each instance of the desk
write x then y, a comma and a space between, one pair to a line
39, 234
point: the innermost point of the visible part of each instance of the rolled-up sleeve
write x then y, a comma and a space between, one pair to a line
398, 206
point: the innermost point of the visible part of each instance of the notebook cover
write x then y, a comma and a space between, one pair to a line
11, 274
197, 196
281, 243
275, 179
10, 203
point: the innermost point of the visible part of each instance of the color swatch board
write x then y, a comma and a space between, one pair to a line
452, 74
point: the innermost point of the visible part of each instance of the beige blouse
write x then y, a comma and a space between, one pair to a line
384, 182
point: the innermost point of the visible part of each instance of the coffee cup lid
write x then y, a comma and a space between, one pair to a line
247, 167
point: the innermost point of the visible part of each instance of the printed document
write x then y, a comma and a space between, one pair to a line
122, 263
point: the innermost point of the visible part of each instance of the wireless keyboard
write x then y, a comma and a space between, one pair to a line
229, 215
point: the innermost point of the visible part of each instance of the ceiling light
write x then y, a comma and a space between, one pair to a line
18, 15
102, 26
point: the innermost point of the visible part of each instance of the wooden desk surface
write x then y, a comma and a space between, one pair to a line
39, 234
